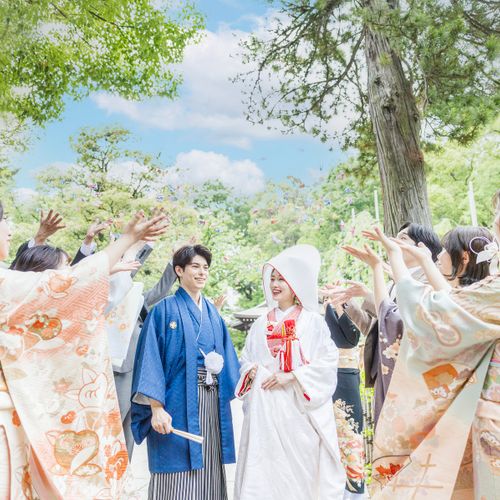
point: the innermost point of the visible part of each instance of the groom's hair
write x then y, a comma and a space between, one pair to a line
187, 253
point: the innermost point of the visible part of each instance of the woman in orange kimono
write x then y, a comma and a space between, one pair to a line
60, 430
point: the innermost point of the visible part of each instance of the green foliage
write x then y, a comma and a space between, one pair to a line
451, 169
311, 67
73, 47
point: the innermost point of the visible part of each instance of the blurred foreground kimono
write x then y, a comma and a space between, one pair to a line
60, 430
289, 448
169, 368
446, 383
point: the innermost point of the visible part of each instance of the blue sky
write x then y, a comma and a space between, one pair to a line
203, 132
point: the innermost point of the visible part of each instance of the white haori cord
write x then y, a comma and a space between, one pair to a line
214, 363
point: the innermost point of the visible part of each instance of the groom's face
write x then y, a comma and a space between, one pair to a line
194, 276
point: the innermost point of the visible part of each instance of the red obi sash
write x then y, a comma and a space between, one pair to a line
282, 340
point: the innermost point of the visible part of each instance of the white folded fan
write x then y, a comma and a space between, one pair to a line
188, 435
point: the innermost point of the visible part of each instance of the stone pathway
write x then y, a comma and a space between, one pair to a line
139, 485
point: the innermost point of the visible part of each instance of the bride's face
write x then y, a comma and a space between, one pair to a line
280, 290
5, 234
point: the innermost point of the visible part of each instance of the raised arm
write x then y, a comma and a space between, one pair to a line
362, 316
424, 258
88, 246
49, 225
162, 288
398, 266
139, 228
369, 257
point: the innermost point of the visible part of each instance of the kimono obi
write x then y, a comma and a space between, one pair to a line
349, 358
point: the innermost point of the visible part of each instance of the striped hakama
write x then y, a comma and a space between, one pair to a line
208, 483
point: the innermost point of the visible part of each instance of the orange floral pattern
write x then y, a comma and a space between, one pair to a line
53, 354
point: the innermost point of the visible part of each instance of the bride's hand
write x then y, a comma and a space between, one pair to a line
278, 379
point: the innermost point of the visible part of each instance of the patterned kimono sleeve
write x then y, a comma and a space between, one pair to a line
149, 372
390, 334
84, 287
92, 268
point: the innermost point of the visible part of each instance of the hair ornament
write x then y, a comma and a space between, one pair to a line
490, 253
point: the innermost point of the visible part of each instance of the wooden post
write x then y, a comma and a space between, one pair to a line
472, 205
375, 202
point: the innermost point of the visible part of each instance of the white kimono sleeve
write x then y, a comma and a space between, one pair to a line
318, 379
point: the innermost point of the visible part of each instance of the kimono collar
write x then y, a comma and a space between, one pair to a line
194, 309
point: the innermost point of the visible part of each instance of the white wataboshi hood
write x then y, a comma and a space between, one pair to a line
300, 266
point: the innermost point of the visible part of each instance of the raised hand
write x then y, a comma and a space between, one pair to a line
377, 234
330, 289
125, 266
220, 301
356, 289
420, 252
49, 224
191, 241
367, 255
140, 228
95, 228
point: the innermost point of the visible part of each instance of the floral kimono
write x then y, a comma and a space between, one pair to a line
60, 427
445, 387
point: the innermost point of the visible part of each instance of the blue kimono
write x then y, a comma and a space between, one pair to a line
166, 369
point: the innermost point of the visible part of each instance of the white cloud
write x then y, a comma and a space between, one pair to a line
197, 167
210, 101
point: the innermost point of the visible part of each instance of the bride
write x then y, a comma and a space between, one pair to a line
289, 446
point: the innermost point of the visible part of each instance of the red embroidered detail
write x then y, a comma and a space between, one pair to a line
284, 342
307, 397
289, 325
245, 385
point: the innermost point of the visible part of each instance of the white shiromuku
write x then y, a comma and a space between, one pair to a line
289, 447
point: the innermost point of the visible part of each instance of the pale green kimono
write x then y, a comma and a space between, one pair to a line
446, 383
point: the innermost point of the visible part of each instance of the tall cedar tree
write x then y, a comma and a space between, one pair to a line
401, 72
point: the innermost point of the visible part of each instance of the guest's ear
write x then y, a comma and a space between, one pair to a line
465, 261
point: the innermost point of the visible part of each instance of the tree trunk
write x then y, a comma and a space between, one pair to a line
396, 124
